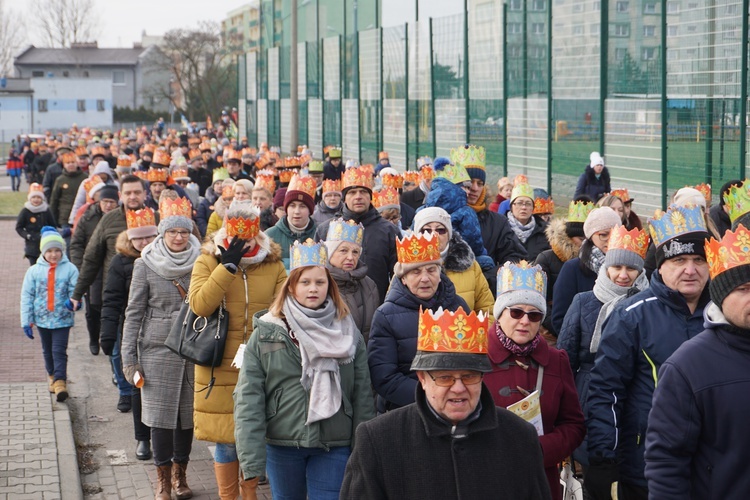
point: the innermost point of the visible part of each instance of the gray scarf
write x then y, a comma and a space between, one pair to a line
168, 264
522, 231
610, 294
36, 210
596, 259
324, 342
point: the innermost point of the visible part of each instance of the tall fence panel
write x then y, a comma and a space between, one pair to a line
448, 83
370, 98
332, 91
314, 98
420, 110
394, 78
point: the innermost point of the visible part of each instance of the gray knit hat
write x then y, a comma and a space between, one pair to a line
433, 214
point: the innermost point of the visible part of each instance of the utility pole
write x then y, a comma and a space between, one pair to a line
293, 82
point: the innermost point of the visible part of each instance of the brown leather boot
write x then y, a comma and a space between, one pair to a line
163, 482
249, 489
179, 482
51, 383
61, 390
228, 479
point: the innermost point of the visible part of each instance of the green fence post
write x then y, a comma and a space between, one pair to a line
664, 124
603, 67
466, 68
743, 92
432, 90
380, 107
505, 89
406, 92
550, 118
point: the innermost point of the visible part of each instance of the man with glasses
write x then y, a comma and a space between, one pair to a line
433, 447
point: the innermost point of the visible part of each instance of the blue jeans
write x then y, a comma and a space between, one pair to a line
300, 473
55, 351
225, 453
122, 385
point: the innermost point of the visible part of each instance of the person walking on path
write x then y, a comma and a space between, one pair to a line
34, 215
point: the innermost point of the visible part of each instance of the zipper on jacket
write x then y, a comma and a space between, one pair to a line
247, 302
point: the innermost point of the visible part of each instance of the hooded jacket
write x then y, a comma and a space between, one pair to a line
29, 227
592, 186
322, 213
116, 291
360, 293
466, 275
37, 307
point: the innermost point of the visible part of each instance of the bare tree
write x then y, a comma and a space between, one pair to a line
66, 22
11, 37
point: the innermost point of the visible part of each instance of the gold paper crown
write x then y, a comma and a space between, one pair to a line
383, 155
357, 177
249, 151
705, 190
264, 180
286, 174
738, 200
157, 175
675, 222
233, 156
38, 188
544, 206
416, 248
385, 198
308, 253
161, 157
194, 141
244, 228
68, 158
636, 240
331, 186
91, 182
124, 161
219, 174
81, 151
204, 146
456, 332
521, 276
468, 156
732, 251
522, 190
147, 148
411, 176
392, 181
180, 173
227, 192
141, 174
622, 194
179, 207
426, 173
98, 151
140, 218
341, 230
368, 167
292, 162
520, 179
305, 184
579, 210
193, 154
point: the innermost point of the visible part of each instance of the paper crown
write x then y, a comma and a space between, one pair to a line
334, 152
426, 173
81, 151
91, 182
383, 155
544, 206
232, 155
579, 210
522, 190
416, 248
179, 207
68, 158
38, 188
180, 173
636, 240
292, 162
331, 186
161, 157
286, 174
520, 179
392, 181
341, 230
316, 166
141, 174
705, 190
732, 251
622, 194
357, 177
305, 184
244, 228
227, 192
457, 332
468, 156
308, 253
423, 161
521, 276
368, 167
194, 141
326, 149
124, 161
219, 174
386, 198
455, 174
157, 175
738, 200
411, 176
675, 222
264, 180
98, 151
194, 153
140, 218
204, 146
147, 148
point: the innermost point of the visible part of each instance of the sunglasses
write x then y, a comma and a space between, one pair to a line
534, 316
441, 231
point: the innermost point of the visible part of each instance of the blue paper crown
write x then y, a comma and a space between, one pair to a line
676, 221
350, 231
521, 276
306, 254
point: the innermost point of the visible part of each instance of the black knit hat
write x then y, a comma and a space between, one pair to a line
684, 244
723, 284
573, 229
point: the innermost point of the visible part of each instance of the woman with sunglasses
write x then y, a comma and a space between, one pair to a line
522, 362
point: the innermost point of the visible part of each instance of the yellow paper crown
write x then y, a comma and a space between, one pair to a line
331, 186
140, 218
385, 198
579, 210
244, 228
544, 206
157, 175
357, 177
175, 208
636, 240
416, 248
219, 174
411, 176
738, 200
264, 180
161, 157
392, 181
305, 184
732, 251
705, 190
522, 190
468, 156
308, 253
456, 332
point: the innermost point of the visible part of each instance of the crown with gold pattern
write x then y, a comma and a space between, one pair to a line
303, 183
161, 157
306, 254
194, 153
81, 151
636, 240
416, 248
232, 155
179, 207
140, 218
520, 179
157, 175
468, 156
521, 276
392, 181
204, 146
286, 174
292, 162
423, 161
331, 186
426, 173
264, 180
453, 173
194, 141
37, 188
98, 151
522, 190
219, 174
180, 173
369, 168
124, 161
622, 194
386, 198
705, 190
89, 183
244, 228
357, 177
249, 152
350, 231
676, 221
448, 331
732, 251
141, 174
68, 157
544, 206
411, 176
579, 210
738, 200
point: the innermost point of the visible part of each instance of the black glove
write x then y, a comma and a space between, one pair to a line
234, 253
599, 478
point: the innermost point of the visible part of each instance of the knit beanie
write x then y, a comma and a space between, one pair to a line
684, 244
108, 192
689, 196
622, 257
295, 195
433, 214
50, 238
476, 172
723, 284
278, 198
600, 219
573, 229
36, 190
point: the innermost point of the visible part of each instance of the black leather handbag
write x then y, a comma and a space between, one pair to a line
199, 339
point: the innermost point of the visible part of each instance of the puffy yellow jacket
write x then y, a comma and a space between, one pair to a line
466, 275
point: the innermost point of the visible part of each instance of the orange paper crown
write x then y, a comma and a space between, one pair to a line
417, 248
81, 151
411, 176
357, 177
141, 174
194, 153
393, 181
331, 186
520, 179
622, 194
38, 188
227, 192
124, 161
306, 184
232, 155
456, 332
385, 198
286, 174
636, 240
140, 218
426, 173
544, 206
194, 141
383, 155
161, 157
705, 190
157, 175
68, 158
98, 151
732, 251
264, 180
147, 148
244, 228
91, 182
368, 167
292, 162
249, 151
180, 173
204, 146
175, 208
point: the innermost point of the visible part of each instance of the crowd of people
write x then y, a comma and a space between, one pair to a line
386, 328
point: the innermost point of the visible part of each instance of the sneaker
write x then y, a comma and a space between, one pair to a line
124, 404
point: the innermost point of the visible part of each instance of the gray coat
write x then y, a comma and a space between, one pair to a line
167, 392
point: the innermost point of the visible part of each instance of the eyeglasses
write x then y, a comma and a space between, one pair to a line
449, 380
534, 316
176, 232
524, 204
441, 231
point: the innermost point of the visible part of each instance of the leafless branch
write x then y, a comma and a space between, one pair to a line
65, 22
11, 37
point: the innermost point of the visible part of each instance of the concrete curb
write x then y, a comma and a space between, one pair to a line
67, 457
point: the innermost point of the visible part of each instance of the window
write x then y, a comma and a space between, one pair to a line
66, 74
37, 74
539, 5
731, 32
85, 74
730, 53
537, 28
514, 51
622, 30
597, 5
673, 7
649, 8
596, 29
623, 6
620, 54
578, 29
692, 5
100, 104
648, 53
41, 105
515, 28
578, 8
537, 52
118, 77
671, 30
81, 105
732, 9
672, 54
515, 5
692, 28
649, 31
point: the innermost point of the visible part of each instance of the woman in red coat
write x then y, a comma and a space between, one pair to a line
518, 353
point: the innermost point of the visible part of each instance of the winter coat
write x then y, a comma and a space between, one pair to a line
50, 170
393, 340
698, 437
562, 418
379, 245
214, 224
573, 279
467, 277
64, 195
85, 229
270, 404
205, 209
360, 293
268, 219
116, 291
414, 198
252, 288
29, 227
407, 214
333, 173
202, 177
501, 242
642, 332
37, 169
322, 213
721, 219
167, 392
283, 236
592, 186
410, 453
35, 299
633, 221
537, 241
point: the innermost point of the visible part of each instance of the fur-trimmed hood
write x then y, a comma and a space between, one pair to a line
125, 247
272, 249
559, 240
460, 256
